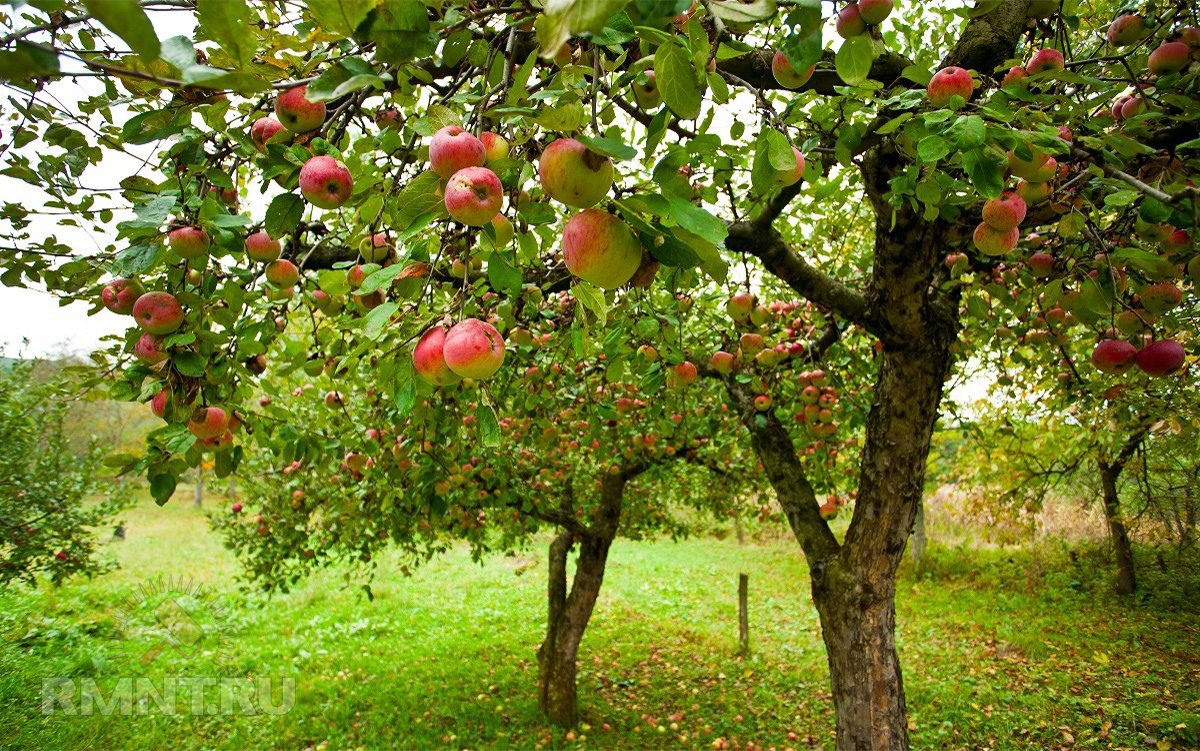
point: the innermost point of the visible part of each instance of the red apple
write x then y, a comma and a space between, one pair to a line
263, 130
993, 242
1039, 168
188, 242
158, 312
1045, 60
453, 149
1034, 193
1161, 297
325, 182
573, 174
722, 362
495, 147
119, 295
1014, 75
1042, 264
429, 360
262, 247
158, 405
683, 374
786, 75
297, 113
473, 196
784, 178
645, 90
600, 248
740, 306
1161, 358
148, 349
875, 12
1113, 356
1004, 213
473, 349
1170, 57
948, 83
850, 22
282, 273
208, 422
1126, 30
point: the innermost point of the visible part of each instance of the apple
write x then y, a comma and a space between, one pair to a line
1126, 30
1161, 358
600, 248
875, 12
1004, 213
1034, 193
263, 130
208, 422
948, 83
388, 117
218, 442
377, 248
994, 242
1178, 241
473, 349
1039, 168
722, 362
762, 402
158, 312
786, 75
297, 113
1170, 57
1045, 60
573, 174
503, 229
236, 508
1042, 264
648, 353
784, 178
158, 405
495, 147
1161, 297
188, 242
453, 149
148, 349
429, 360
473, 196
740, 306
325, 182
850, 22
683, 374
262, 247
282, 273
1113, 356
119, 295
645, 90
1014, 74
751, 344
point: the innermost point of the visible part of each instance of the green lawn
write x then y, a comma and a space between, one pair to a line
1001, 650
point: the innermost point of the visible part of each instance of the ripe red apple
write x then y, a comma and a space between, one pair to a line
325, 182
495, 147
948, 83
429, 361
263, 130
1014, 75
1042, 264
158, 312
148, 349
1004, 213
1178, 241
762, 402
740, 306
262, 247
573, 174
282, 273
751, 344
875, 12
994, 242
473, 349
784, 178
188, 242
722, 362
453, 149
850, 22
600, 248
787, 76
1126, 30
1045, 60
297, 113
158, 405
473, 196
208, 422
1170, 57
683, 374
645, 90
1161, 358
1113, 356
1161, 297
119, 295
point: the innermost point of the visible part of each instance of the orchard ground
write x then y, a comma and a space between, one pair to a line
1011, 648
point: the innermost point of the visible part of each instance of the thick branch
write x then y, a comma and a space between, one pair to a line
990, 39
754, 68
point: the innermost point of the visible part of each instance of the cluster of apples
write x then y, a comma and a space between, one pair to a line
856, 17
1173, 55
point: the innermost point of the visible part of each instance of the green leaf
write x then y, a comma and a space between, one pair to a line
228, 23
126, 19
677, 81
697, 220
339, 16
421, 196
854, 58
736, 11
561, 19
987, 175
969, 132
378, 318
190, 364
489, 427
708, 256
344, 77
502, 274
380, 279
762, 174
162, 487
609, 147
25, 62
591, 298
401, 32
932, 148
779, 151
136, 259
283, 214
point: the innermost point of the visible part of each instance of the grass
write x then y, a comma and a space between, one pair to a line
1001, 649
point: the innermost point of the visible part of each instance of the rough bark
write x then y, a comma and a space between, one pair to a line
568, 613
916, 546
1122, 549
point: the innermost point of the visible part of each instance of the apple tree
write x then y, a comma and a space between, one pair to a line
591, 150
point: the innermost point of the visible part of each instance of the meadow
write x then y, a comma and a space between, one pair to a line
1012, 648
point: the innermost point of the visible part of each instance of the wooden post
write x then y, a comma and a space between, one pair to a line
743, 614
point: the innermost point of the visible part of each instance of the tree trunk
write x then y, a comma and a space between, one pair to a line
744, 614
198, 489
1123, 550
916, 545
